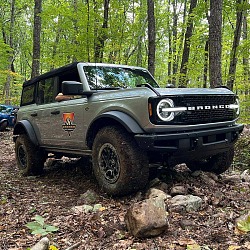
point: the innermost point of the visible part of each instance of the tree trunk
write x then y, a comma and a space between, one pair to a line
186, 49
6, 91
215, 24
170, 52
245, 55
233, 56
36, 39
151, 36
205, 70
99, 46
174, 43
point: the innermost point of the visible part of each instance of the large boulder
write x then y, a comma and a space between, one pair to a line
149, 217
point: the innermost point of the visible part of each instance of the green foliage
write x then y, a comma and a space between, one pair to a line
39, 227
244, 225
242, 152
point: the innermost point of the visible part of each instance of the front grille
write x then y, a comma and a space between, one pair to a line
196, 115
205, 115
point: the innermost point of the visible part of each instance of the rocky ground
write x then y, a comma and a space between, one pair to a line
60, 188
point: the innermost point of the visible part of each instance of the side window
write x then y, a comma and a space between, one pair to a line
46, 91
28, 95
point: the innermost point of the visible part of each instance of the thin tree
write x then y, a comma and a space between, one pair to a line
236, 41
205, 70
186, 49
7, 85
215, 38
245, 55
151, 36
174, 41
102, 37
36, 38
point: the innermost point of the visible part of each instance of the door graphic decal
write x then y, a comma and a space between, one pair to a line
68, 125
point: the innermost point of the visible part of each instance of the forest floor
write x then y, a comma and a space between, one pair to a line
53, 194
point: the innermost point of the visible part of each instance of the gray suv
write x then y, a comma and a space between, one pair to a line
120, 117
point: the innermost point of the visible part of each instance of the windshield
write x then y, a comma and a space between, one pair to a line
105, 77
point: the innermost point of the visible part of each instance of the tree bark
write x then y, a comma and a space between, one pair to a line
215, 37
186, 49
36, 39
245, 58
233, 56
205, 70
151, 36
174, 41
7, 84
99, 46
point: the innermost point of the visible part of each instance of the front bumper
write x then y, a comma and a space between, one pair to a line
212, 139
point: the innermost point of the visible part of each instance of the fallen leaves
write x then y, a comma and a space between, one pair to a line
61, 187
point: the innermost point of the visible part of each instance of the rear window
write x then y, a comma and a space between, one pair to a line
28, 95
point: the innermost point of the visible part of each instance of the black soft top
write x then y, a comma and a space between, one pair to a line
51, 73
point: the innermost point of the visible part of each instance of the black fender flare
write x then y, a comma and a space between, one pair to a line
25, 127
124, 119
3, 120
119, 117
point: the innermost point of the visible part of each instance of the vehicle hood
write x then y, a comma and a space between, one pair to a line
193, 91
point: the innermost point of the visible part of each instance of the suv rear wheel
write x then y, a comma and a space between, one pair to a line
217, 164
30, 160
120, 167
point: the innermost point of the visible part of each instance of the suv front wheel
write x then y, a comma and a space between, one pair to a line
120, 167
30, 160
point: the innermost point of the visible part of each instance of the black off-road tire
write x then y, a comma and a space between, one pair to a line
119, 166
217, 164
30, 160
3, 125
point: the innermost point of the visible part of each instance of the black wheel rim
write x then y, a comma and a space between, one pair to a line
109, 163
22, 157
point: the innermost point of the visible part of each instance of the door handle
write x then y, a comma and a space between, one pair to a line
33, 114
56, 112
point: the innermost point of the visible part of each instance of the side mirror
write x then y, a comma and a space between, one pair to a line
74, 88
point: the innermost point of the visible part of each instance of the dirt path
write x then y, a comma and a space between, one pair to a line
53, 194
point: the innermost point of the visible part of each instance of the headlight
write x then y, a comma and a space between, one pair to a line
235, 106
164, 110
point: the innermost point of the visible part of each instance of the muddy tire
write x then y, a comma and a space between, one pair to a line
119, 166
3, 125
30, 160
217, 164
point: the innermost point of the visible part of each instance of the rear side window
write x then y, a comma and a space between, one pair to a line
47, 90
28, 95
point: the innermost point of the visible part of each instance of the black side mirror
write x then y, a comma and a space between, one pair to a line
75, 88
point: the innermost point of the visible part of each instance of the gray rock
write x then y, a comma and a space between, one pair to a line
82, 209
188, 203
89, 197
43, 244
232, 179
177, 190
245, 175
156, 193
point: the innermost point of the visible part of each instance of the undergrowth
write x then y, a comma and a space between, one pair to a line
242, 151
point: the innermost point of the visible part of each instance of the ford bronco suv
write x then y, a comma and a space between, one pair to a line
120, 117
